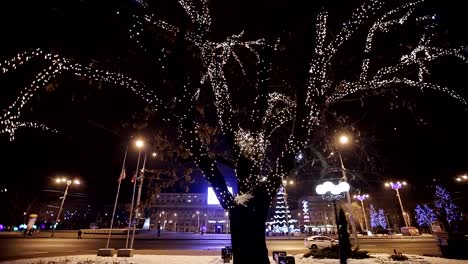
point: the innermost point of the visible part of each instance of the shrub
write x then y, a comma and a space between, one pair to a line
333, 253
398, 256
360, 254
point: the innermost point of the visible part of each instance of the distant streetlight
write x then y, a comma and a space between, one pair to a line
154, 154
343, 139
139, 143
68, 183
198, 220
462, 178
362, 197
397, 186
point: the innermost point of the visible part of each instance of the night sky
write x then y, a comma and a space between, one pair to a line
419, 138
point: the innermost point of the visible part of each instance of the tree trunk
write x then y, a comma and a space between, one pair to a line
248, 235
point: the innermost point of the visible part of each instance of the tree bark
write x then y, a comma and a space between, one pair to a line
248, 235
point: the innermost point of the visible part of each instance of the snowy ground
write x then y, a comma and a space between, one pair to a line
164, 259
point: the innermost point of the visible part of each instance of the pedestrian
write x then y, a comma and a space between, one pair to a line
79, 234
159, 229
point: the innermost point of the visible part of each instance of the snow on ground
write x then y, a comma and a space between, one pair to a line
165, 259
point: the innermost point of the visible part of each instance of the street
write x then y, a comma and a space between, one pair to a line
15, 248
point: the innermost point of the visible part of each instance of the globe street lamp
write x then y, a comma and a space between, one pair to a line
68, 183
361, 198
331, 192
397, 186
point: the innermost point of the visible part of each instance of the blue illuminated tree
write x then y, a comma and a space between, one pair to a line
443, 202
382, 222
374, 217
425, 216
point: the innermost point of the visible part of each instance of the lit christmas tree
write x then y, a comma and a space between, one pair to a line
425, 216
443, 201
381, 219
377, 218
282, 217
374, 217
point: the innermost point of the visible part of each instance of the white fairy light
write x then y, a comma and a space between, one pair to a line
279, 111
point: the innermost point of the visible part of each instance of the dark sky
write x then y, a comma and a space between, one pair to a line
428, 141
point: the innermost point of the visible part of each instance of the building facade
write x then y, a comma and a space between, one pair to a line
188, 212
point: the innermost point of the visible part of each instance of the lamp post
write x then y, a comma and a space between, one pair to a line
140, 186
139, 144
68, 183
397, 186
285, 183
361, 198
227, 221
198, 220
345, 140
332, 192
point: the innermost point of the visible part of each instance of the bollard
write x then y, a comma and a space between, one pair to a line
286, 260
277, 254
226, 254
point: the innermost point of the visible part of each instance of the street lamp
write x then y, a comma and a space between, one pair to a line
198, 220
139, 144
462, 178
361, 198
68, 183
331, 192
397, 186
344, 140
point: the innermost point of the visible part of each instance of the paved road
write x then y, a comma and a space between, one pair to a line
14, 248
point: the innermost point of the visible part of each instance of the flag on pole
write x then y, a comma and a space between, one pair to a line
122, 175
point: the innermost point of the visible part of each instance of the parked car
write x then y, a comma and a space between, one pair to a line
319, 242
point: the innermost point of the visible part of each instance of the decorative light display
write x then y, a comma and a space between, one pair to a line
377, 218
282, 220
443, 201
361, 197
425, 216
279, 111
305, 211
395, 185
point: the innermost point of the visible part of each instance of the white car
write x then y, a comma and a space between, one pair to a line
319, 242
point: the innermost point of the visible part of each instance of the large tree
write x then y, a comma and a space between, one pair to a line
225, 82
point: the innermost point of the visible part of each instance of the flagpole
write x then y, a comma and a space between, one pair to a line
117, 196
138, 199
133, 200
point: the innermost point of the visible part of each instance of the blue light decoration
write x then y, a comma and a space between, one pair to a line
377, 218
425, 216
2, 227
443, 201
